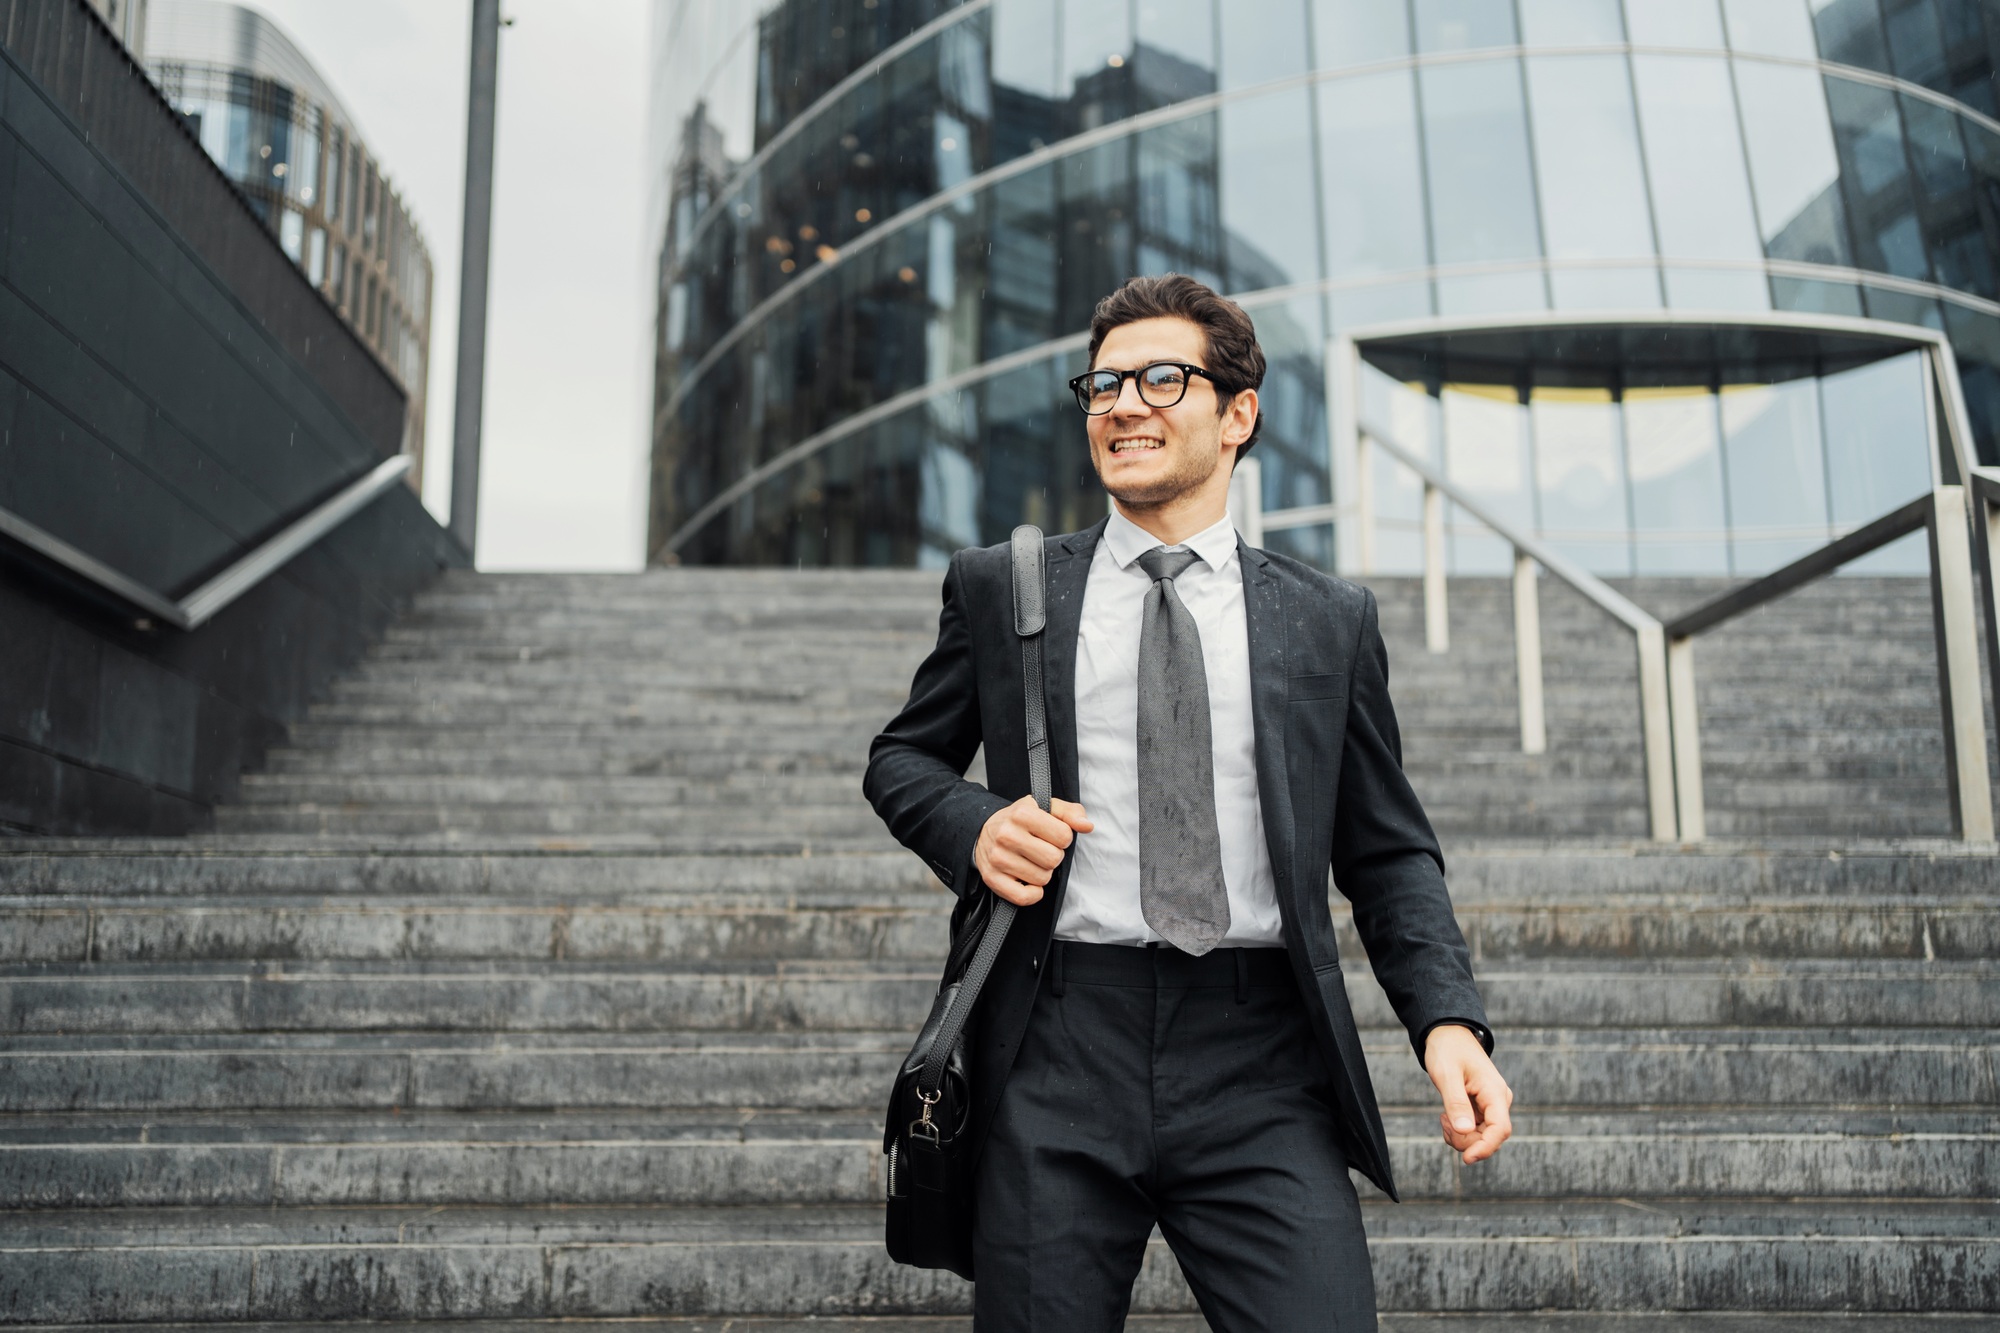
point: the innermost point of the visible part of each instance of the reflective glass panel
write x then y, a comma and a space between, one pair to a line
1674, 22
1024, 47
1410, 416
1185, 32
1850, 32
1373, 190
1570, 22
1095, 37
1875, 179
1700, 188
1461, 25
1292, 443
1770, 27
1180, 224
1269, 212
1777, 473
1877, 451
1916, 44
1580, 477
1349, 32
1482, 197
1793, 166
1597, 288
1262, 41
1486, 454
1492, 293
1975, 337
1676, 470
1809, 296
1587, 158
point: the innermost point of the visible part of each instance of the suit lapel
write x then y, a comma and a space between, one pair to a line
1069, 571
1264, 611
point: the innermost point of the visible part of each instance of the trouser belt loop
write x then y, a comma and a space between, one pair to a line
1242, 975
1056, 986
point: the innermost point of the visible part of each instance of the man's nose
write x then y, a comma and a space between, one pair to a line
1131, 403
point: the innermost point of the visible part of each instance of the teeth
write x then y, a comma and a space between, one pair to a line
1121, 447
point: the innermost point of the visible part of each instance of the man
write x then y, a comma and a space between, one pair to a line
1165, 1038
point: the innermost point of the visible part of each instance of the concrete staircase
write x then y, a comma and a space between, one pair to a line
556, 970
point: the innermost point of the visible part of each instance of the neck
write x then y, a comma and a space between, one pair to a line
1174, 521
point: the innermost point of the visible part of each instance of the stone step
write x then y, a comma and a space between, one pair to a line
1548, 1067
849, 818
538, 868
1562, 874
910, 924
1391, 1321
470, 1263
824, 996
678, 1157
767, 790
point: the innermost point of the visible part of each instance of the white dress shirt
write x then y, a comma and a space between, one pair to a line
1101, 905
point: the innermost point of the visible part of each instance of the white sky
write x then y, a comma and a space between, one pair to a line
568, 342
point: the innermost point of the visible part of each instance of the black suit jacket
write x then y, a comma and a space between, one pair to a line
1329, 776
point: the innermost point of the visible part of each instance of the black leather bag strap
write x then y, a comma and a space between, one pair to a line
1030, 615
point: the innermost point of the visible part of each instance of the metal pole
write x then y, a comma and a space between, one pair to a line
1954, 604
1686, 724
1437, 621
1655, 727
1528, 655
475, 258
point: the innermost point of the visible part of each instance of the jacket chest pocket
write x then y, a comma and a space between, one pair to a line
1313, 688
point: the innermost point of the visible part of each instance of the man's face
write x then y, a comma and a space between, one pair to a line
1146, 455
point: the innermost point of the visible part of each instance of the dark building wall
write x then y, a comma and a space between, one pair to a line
172, 392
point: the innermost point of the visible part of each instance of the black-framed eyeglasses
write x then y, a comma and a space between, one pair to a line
1162, 384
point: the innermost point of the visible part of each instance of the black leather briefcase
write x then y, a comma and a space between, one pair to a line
929, 1223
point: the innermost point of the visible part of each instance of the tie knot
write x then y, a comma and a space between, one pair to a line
1160, 563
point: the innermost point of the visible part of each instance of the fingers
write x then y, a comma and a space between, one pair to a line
1495, 1101
1072, 814
1461, 1127
1013, 890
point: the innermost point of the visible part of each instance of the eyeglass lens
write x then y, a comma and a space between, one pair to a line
1160, 384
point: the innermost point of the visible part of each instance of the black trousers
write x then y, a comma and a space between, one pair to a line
1153, 1087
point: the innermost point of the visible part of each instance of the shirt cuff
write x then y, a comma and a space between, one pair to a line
1477, 1028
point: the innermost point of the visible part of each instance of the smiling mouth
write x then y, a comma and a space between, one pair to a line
1135, 446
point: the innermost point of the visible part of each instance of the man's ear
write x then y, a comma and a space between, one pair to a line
1239, 418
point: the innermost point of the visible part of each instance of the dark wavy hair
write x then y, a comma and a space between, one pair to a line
1233, 355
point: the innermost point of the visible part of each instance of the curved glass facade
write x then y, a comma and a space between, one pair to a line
883, 224
265, 115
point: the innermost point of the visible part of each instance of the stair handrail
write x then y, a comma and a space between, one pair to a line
1649, 639
202, 605
1942, 513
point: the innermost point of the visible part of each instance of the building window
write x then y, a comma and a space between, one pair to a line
316, 255
292, 234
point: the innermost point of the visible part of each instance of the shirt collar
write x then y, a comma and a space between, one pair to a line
1127, 541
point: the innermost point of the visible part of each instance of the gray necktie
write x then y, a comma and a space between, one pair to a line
1181, 890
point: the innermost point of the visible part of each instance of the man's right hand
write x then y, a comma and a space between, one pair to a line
1021, 846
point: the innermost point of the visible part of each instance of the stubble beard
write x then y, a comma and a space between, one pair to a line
1192, 468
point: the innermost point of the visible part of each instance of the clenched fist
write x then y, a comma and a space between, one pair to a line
1021, 846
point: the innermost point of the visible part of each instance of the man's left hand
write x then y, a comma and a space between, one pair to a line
1477, 1100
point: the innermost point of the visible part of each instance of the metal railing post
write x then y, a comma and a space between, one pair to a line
1655, 728
1364, 505
1528, 655
1437, 620
1691, 809
1959, 694
1984, 496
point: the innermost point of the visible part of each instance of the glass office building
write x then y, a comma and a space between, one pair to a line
883, 225
268, 118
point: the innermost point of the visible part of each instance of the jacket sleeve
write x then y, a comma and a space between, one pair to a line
1387, 863
916, 767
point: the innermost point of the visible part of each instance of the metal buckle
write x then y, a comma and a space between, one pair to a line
925, 1127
